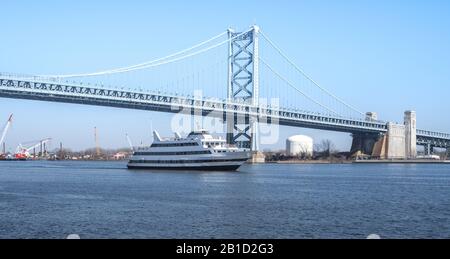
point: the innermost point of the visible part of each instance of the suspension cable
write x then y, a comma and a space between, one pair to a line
183, 57
175, 54
295, 88
112, 71
308, 77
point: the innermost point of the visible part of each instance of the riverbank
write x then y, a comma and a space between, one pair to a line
317, 162
327, 162
401, 162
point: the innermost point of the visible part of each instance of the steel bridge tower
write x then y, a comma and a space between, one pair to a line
243, 86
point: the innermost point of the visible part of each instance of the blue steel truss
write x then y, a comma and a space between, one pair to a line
433, 139
243, 86
33, 89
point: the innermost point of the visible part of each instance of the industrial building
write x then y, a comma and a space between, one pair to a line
299, 145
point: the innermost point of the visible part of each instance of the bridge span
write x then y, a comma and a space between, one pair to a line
249, 75
39, 90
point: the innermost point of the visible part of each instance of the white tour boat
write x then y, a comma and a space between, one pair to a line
198, 151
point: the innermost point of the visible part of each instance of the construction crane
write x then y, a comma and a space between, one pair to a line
24, 152
5, 130
97, 146
130, 143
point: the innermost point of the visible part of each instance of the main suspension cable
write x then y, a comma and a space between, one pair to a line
296, 88
138, 66
308, 77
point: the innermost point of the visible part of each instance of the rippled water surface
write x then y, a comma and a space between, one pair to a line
105, 200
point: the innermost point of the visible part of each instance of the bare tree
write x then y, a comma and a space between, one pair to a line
326, 147
304, 154
62, 153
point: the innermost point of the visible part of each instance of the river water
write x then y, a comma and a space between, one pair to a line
105, 200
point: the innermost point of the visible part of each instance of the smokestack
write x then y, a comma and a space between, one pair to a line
60, 151
97, 147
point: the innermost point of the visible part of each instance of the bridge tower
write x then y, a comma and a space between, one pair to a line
243, 86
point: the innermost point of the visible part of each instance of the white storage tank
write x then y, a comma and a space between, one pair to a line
299, 145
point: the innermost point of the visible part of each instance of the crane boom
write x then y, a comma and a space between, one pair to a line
129, 143
23, 150
38, 144
5, 129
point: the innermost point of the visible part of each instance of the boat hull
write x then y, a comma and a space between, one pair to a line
186, 168
14, 159
200, 164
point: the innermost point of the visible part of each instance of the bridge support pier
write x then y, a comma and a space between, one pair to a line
258, 157
410, 135
392, 145
395, 142
429, 149
364, 144
400, 141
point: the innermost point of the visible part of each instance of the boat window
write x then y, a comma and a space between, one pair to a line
189, 144
172, 153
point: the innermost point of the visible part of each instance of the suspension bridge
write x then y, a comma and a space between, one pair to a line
245, 79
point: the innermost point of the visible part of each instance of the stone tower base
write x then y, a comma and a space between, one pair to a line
257, 158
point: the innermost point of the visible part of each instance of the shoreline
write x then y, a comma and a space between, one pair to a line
288, 162
324, 162
310, 162
402, 162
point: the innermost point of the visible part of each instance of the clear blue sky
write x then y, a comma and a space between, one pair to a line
384, 56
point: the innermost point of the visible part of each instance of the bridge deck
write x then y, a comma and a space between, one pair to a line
33, 89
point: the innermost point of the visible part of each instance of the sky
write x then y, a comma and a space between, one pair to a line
382, 56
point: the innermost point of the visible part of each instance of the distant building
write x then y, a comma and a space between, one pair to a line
120, 156
299, 145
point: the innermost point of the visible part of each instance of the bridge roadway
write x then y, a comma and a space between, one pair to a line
48, 90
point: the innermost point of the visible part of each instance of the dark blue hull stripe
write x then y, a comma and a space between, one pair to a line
189, 168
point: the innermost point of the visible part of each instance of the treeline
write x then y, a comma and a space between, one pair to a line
325, 150
91, 154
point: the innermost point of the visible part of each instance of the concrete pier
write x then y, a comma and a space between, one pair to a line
363, 144
257, 158
395, 141
400, 141
410, 134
